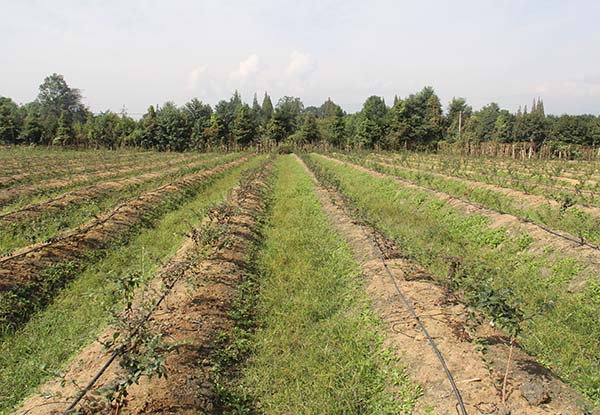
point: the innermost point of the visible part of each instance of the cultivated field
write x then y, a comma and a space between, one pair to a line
320, 283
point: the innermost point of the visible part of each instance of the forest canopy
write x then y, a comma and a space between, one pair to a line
419, 121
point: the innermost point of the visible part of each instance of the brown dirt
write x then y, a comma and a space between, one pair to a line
194, 311
542, 240
189, 389
27, 264
88, 193
56, 394
449, 324
13, 193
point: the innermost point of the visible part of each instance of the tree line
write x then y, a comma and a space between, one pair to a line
58, 117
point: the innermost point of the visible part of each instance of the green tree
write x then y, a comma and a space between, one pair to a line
64, 131
104, 130
481, 125
434, 119
244, 129
416, 121
266, 110
174, 130
11, 121
458, 113
503, 127
33, 129
367, 133
276, 130
199, 115
373, 123
309, 133
56, 97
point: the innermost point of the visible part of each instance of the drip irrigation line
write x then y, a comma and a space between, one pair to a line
181, 267
412, 311
119, 351
432, 343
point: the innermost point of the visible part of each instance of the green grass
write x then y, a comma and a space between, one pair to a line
318, 348
22, 233
80, 312
563, 332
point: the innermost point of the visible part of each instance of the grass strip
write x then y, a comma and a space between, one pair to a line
318, 348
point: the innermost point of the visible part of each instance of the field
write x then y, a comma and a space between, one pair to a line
139, 282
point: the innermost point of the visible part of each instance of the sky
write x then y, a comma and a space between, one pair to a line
133, 53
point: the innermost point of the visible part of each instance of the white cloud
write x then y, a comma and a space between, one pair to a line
247, 68
195, 76
300, 65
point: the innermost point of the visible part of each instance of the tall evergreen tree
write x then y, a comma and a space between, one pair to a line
64, 132
266, 111
33, 129
309, 133
11, 121
244, 129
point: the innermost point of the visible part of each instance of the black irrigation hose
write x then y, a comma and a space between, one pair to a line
119, 350
545, 228
412, 311
430, 340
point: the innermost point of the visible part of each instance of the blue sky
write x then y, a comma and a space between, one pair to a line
137, 53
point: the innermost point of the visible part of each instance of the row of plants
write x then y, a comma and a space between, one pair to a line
33, 280
86, 305
528, 292
25, 184
140, 342
17, 197
44, 161
566, 217
47, 224
582, 191
523, 176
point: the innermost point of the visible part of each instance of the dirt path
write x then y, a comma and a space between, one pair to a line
194, 312
447, 322
542, 239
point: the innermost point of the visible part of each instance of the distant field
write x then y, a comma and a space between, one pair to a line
269, 283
